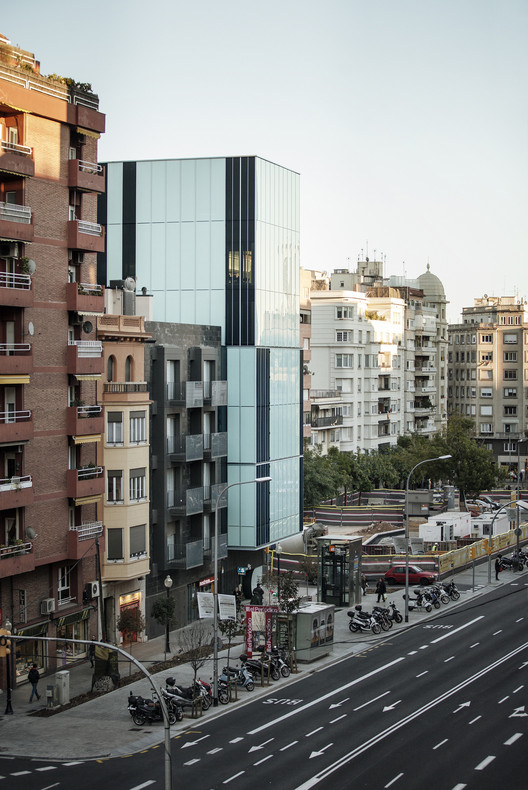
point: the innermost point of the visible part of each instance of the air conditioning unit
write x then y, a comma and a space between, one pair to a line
92, 588
9, 249
47, 606
76, 256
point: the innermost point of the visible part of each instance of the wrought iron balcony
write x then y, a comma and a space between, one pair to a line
16, 222
16, 426
15, 290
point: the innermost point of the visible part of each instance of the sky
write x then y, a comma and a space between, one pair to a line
406, 119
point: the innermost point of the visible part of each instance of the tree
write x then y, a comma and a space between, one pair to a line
195, 640
131, 623
289, 601
164, 611
229, 629
321, 479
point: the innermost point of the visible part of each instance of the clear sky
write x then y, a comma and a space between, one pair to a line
407, 119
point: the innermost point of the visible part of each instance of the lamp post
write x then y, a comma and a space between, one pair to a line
9, 707
278, 552
426, 461
490, 538
168, 584
215, 591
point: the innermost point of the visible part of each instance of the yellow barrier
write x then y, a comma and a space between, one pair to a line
459, 557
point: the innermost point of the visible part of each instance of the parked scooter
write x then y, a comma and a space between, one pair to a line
260, 667
395, 614
362, 621
143, 710
381, 614
192, 693
237, 675
451, 590
278, 659
419, 602
512, 563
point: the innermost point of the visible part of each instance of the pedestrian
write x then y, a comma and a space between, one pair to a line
381, 589
498, 567
91, 652
34, 677
364, 584
258, 595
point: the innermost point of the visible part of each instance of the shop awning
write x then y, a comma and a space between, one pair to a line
14, 379
33, 630
75, 617
91, 437
88, 132
87, 500
87, 376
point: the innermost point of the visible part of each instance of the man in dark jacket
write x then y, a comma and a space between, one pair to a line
381, 589
34, 677
498, 567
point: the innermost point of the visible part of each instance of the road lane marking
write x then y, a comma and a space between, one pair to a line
474, 720
235, 776
459, 787
194, 760
513, 739
412, 653
470, 647
339, 690
214, 751
236, 740
288, 746
347, 758
497, 632
448, 659
47, 768
518, 689
313, 732
145, 784
456, 630
519, 620
485, 763
321, 751
339, 718
372, 700
422, 673
424, 647
268, 757
398, 776
438, 745
503, 699
261, 745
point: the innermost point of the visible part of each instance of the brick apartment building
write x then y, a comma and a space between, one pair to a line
50, 360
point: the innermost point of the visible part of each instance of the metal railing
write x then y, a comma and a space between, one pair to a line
90, 289
84, 412
9, 349
13, 280
25, 547
15, 148
88, 530
15, 416
87, 348
123, 387
15, 213
89, 472
90, 228
90, 167
35, 82
16, 482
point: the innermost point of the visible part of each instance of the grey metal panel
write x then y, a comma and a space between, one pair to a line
194, 501
194, 554
194, 394
218, 393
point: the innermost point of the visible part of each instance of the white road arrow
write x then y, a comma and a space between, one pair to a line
525, 664
462, 706
193, 743
338, 704
518, 712
318, 754
262, 745
390, 707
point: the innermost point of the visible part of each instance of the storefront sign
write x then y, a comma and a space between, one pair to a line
259, 627
206, 582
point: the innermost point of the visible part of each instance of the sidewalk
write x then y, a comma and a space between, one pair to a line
103, 727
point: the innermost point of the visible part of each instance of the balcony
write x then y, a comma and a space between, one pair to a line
16, 222
84, 357
186, 503
16, 426
210, 497
215, 393
126, 392
186, 393
16, 359
86, 176
15, 290
84, 420
185, 555
16, 559
85, 298
327, 422
214, 445
16, 159
81, 540
16, 492
86, 482
86, 236
185, 448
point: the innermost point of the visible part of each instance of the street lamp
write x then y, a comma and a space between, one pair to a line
426, 461
490, 537
278, 552
9, 707
215, 591
168, 584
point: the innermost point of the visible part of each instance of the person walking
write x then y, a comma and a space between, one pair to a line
498, 567
91, 652
258, 595
364, 584
381, 589
34, 677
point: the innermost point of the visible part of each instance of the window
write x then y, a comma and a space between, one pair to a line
510, 411
343, 337
486, 411
486, 356
509, 338
114, 427
510, 356
510, 392
115, 486
486, 392
510, 374
344, 312
486, 427
110, 369
63, 586
344, 360
138, 483
138, 546
485, 375
129, 369
138, 424
509, 320
114, 544
486, 338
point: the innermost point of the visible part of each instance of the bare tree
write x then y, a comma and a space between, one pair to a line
195, 641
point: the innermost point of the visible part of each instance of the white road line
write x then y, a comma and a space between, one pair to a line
485, 763
438, 745
399, 776
264, 759
497, 632
412, 653
191, 762
424, 647
326, 696
518, 689
459, 787
312, 732
372, 700
145, 784
288, 746
236, 740
75, 762
473, 722
422, 674
47, 768
214, 751
519, 620
333, 721
461, 628
20, 773
503, 699
513, 739
235, 776
448, 659
470, 647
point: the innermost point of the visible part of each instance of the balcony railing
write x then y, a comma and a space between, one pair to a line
15, 158
16, 426
16, 491
185, 555
123, 387
83, 420
87, 176
85, 297
88, 530
15, 213
215, 444
87, 348
16, 222
13, 280
15, 290
16, 358
85, 235
186, 448
188, 502
85, 482
327, 422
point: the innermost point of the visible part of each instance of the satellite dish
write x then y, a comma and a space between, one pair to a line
31, 328
31, 266
30, 533
130, 284
87, 327
485, 296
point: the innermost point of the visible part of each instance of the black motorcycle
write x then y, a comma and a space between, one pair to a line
452, 590
146, 710
512, 563
260, 667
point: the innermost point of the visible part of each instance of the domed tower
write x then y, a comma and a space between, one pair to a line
435, 303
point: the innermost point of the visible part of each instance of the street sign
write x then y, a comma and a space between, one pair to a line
241, 571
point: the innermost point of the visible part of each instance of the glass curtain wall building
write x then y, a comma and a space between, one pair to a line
216, 241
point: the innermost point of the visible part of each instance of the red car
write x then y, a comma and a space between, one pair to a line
396, 575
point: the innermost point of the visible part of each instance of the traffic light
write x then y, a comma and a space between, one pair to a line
5, 643
472, 551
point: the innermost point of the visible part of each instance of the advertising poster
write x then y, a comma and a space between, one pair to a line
259, 627
205, 605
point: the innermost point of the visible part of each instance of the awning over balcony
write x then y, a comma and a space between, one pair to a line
88, 376
14, 379
87, 500
93, 437
88, 132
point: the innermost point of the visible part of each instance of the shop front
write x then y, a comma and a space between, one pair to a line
30, 651
129, 601
72, 626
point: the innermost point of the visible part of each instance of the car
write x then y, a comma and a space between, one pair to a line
396, 575
489, 501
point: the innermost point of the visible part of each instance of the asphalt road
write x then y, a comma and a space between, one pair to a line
443, 704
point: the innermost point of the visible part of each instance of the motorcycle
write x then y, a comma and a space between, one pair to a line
395, 613
238, 675
381, 614
143, 710
278, 658
512, 563
260, 667
451, 590
419, 602
432, 596
362, 621
194, 694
